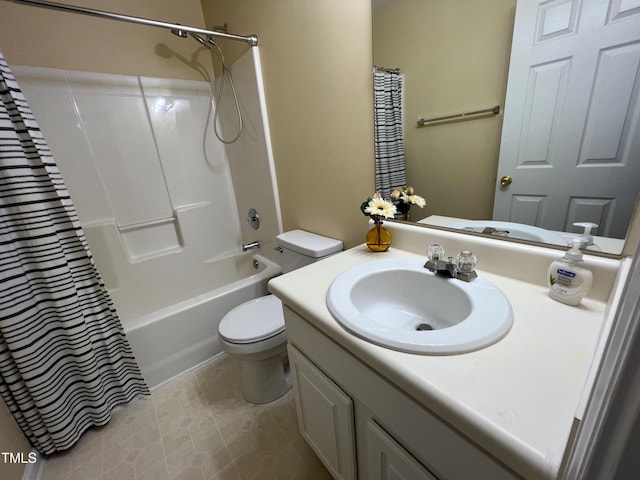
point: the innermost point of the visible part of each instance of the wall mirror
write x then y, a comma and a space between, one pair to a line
564, 147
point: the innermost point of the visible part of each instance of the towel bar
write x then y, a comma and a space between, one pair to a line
459, 116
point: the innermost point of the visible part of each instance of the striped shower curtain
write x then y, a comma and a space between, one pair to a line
388, 134
65, 362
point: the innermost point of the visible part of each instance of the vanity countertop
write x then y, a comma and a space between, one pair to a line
517, 399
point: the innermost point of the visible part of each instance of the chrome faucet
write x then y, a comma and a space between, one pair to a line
463, 268
250, 246
495, 231
488, 231
436, 265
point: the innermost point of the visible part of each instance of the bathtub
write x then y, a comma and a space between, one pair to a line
170, 339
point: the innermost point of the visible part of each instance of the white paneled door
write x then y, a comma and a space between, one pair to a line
570, 148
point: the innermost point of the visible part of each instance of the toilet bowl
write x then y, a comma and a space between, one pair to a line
254, 332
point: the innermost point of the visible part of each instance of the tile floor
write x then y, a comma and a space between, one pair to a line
196, 428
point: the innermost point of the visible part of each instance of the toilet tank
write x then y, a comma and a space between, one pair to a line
300, 248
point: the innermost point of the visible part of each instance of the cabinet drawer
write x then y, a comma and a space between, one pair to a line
387, 459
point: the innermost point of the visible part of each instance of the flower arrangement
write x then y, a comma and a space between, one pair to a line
378, 239
403, 198
378, 208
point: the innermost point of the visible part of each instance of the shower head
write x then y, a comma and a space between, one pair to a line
206, 42
179, 33
199, 39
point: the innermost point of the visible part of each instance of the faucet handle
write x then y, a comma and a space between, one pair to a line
435, 251
466, 264
466, 261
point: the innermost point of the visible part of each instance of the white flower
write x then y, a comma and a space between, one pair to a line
380, 207
415, 200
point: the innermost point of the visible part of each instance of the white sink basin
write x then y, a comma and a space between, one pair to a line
399, 304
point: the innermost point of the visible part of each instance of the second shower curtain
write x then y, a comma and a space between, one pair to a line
388, 132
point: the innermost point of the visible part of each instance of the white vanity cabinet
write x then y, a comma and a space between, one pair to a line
325, 416
326, 421
362, 426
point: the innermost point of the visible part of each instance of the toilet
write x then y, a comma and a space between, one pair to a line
254, 332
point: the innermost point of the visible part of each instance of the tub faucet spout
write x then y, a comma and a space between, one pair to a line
251, 245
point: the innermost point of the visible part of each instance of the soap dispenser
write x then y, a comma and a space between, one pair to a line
586, 239
568, 278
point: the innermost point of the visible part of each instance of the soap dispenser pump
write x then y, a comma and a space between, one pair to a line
568, 279
586, 239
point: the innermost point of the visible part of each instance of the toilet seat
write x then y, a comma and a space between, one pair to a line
253, 321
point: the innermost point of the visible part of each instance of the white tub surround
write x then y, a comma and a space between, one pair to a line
518, 400
138, 152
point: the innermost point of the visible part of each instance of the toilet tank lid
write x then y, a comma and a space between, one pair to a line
309, 244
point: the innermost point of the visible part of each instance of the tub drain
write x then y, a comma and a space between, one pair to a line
424, 326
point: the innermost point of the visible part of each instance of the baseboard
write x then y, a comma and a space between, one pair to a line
188, 371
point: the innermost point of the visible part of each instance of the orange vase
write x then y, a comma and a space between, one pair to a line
378, 239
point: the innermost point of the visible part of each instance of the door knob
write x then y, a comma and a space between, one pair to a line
506, 180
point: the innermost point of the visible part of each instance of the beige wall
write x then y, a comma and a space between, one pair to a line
316, 58
454, 55
48, 38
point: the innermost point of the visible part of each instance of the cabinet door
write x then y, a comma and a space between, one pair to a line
388, 460
325, 416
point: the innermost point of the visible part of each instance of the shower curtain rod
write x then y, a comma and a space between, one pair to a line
388, 70
252, 40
